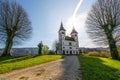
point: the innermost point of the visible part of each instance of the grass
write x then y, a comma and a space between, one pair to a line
9, 63
96, 68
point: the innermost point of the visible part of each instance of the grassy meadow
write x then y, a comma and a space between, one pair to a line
98, 68
9, 63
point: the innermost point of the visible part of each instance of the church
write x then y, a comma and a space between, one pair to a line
68, 44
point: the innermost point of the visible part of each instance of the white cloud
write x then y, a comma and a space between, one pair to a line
77, 8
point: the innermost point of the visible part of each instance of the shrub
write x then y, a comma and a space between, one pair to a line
99, 54
93, 54
104, 54
51, 52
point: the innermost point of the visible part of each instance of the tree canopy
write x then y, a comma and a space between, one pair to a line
15, 25
103, 24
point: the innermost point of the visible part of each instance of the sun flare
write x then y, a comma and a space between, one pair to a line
73, 21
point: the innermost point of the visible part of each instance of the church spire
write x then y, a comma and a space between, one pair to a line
61, 27
73, 30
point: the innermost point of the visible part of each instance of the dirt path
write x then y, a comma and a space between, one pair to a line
64, 69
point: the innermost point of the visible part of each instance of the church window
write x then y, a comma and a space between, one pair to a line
70, 52
76, 52
70, 43
63, 52
70, 47
62, 32
67, 51
73, 51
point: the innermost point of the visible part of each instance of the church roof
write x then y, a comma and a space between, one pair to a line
74, 31
69, 38
61, 27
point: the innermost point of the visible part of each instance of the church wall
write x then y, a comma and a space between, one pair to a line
69, 48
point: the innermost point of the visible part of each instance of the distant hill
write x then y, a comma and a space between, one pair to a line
83, 49
34, 51
22, 51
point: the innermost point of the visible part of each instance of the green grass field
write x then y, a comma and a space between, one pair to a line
96, 68
8, 64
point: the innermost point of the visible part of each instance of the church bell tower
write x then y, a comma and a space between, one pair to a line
62, 34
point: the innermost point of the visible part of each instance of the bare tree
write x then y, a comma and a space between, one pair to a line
103, 24
56, 46
15, 26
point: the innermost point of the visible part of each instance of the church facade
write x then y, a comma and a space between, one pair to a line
68, 44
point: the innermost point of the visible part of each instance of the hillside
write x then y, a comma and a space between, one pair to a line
22, 51
97, 68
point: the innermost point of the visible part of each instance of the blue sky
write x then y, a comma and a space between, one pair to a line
46, 16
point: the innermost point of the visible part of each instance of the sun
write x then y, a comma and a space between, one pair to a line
73, 21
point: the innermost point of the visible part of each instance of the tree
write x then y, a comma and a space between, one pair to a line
103, 24
56, 46
40, 47
51, 52
15, 26
45, 49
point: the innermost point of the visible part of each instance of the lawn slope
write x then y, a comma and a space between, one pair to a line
96, 68
8, 64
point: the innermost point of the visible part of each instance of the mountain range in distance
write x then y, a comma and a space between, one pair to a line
34, 51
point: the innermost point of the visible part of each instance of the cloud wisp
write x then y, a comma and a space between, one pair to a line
77, 8
74, 20
78, 21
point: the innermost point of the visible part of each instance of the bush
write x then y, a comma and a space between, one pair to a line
93, 54
104, 54
99, 54
51, 52
46, 53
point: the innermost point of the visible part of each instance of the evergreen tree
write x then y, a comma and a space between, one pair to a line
40, 46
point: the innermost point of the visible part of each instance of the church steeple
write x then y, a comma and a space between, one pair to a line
73, 30
61, 27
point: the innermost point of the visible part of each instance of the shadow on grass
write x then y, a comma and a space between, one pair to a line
93, 68
10, 59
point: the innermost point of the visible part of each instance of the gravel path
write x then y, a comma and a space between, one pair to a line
64, 69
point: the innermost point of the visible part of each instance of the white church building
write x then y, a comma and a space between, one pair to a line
68, 44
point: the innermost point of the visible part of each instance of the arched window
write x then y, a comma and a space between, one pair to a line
70, 44
70, 47
76, 52
63, 33
63, 52
67, 51
70, 52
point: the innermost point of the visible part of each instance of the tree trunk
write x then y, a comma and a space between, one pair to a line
55, 51
8, 47
113, 48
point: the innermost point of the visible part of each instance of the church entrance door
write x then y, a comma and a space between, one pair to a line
70, 52
63, 52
